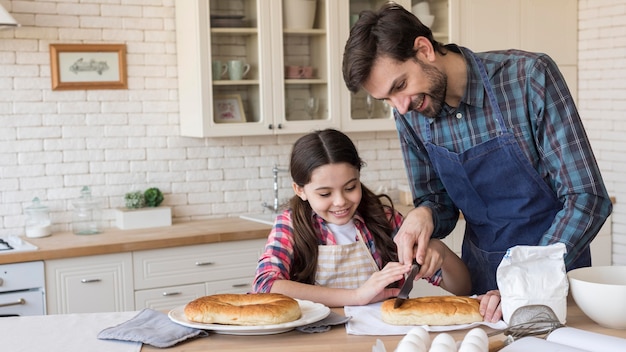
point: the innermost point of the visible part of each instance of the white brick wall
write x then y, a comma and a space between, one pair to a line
602, 99
52, 143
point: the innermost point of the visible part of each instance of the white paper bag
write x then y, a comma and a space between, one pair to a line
533, 275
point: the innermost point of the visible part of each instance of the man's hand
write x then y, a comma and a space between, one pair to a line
415, 232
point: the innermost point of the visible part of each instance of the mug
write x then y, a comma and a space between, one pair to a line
299, 71
237, 69
218, 70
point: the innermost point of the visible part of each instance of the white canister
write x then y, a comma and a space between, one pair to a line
299, 14
37, 220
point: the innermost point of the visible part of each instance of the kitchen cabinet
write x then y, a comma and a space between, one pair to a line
266, 101
534, 25
159, 278
169, 277
276, 102
101, 283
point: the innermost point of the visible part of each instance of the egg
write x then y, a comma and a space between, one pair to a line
437, 347
444, 339
471, 347
476, 340
478, 332
421, 333
416, 340
409, 346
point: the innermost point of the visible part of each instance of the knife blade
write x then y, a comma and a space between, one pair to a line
407, 286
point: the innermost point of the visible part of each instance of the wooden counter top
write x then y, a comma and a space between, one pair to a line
338, 340
67, 244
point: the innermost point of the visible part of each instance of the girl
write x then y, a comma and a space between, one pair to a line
334, 244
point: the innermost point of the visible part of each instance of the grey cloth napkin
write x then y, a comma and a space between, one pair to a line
152, 328
324, 324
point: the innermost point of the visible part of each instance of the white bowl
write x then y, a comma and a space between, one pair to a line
600, 292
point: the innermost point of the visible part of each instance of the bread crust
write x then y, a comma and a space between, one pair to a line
243, 309
432, 310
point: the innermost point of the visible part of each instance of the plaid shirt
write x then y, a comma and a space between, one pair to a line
275, 263
538, 108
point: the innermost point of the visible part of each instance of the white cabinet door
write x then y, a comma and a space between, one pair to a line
101, 283
549, 27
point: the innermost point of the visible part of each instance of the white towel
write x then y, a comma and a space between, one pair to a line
367, 320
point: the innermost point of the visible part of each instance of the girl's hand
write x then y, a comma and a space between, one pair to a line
374, 289
490, 307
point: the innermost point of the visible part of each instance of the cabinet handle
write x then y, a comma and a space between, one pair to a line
17, 303
280, 126
270, 127
87, 281
240, 285
165, 294
204, 263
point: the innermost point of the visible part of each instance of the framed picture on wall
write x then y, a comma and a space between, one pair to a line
228, 109
88, 66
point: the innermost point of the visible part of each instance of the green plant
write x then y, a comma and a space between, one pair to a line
153, 197
134, 200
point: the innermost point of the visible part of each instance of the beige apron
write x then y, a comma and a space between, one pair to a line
345, 266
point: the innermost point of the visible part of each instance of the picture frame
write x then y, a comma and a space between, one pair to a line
228, 109
88, 66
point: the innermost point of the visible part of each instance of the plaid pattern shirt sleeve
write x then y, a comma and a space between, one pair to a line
275, 262
539, 109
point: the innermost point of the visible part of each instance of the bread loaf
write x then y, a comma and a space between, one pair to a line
243, 309
435, 310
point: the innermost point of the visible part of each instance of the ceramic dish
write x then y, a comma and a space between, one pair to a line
311, 313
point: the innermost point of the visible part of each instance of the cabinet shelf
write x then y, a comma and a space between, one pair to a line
237, 31
241, 82
306, 81
305, 31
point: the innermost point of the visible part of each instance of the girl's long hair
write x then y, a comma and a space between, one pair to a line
317, 149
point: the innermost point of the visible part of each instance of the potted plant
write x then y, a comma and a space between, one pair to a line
143, 211
134, 200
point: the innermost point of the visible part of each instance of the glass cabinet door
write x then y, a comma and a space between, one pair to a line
237, 66
257, 67
361, 112
307, 68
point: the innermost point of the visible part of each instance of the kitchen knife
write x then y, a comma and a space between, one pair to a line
407, 286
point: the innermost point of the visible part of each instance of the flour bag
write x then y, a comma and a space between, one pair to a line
533, 275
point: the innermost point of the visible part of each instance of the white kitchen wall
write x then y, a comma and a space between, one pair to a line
52, 143
602, 99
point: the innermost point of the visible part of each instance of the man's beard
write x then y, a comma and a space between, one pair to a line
437, 93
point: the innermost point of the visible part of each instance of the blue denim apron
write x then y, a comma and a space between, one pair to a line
503, 199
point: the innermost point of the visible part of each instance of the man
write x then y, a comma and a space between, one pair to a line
495, 135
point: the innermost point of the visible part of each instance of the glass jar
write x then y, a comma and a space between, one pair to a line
87, 214
37, 220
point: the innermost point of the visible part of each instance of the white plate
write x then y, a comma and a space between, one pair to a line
311, 313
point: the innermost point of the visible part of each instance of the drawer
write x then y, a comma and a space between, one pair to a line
167, 298
196, 264
240, 285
